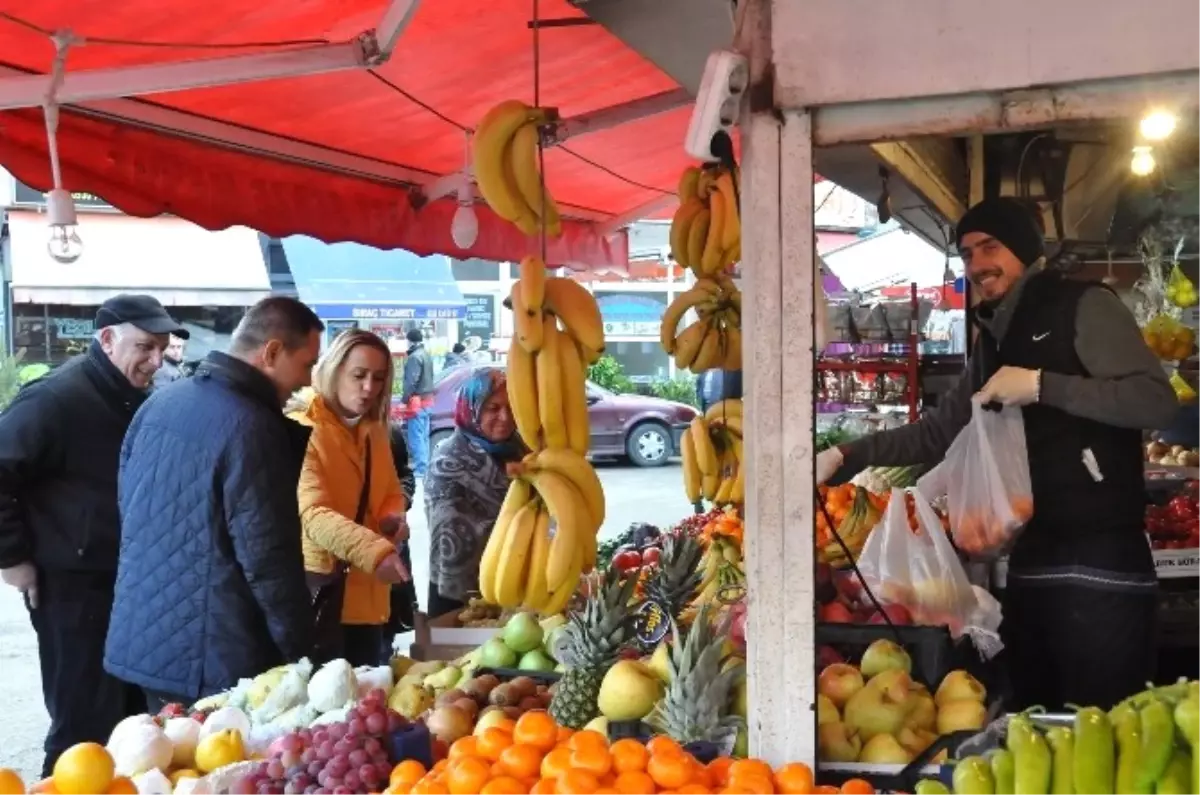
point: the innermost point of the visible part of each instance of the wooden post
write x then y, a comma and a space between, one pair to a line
779, 257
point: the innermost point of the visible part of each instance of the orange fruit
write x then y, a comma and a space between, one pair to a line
498, 770
504, 785
430, 786
122, 785
750, 767
83, 768
10, 782
754, 784
577, 782
406, 774
555, 763
467, 775
794, 779
628, 755
439, 766
587, 738
661, 743
825, 789
544, 786
492, 743
596, 761
536, 728
718, 770
463, 746
670, 771
693, 789
607, 791
635, 782
521, 761
858, 786
564, 734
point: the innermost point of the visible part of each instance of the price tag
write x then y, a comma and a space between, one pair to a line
651, 623
1173, 563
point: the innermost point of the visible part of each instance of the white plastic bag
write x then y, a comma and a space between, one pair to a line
985, 477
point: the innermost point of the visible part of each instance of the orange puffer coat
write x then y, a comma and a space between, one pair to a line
330, 485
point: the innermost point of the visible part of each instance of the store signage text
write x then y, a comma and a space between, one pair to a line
27, 195
343, 312
71, 328
1172, 563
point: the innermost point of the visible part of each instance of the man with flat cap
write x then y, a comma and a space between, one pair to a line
1080, 598
60, 445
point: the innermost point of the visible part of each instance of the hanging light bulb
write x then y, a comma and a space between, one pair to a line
1142, 164
464, 227
1157, 125
64, 244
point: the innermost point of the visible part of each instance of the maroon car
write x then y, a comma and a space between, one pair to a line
644, 429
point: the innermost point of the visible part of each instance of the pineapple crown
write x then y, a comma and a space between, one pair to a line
597, 633
678, 573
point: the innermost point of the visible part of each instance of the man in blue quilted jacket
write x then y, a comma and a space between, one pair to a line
210, 581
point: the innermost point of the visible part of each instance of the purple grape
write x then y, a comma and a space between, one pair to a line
292, 742
325, 751
352, 713
395, 722
357, 757
371, 745
357, 726
378, 695
308, 756
275, 769
380, 757
315, 768
290, 758
343, 791
295, 770
292, 788
383, 768
332, 781
375, 723
243, 785
338, 765
313, 789
350, 781
337, 731
319, 736
342, 747
260, 770
368, 776
306, 736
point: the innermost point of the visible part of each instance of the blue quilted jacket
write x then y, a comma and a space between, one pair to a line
210, 583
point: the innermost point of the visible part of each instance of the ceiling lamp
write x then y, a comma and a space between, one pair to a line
64, 244
1157, 125
1142, 164
464, 227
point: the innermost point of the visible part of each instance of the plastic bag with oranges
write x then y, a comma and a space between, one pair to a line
1168, 338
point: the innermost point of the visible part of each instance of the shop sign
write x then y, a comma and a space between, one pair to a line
335, 327
72, 328
28, 196
632, 329
377, 312
630, 314
651, 623
1173, 563
480, 319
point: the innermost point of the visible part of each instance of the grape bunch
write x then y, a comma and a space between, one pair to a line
334, 759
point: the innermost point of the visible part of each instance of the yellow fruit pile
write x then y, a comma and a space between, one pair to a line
715, 338
711, 449
1168, 338
505, 160
545, 535
706, 232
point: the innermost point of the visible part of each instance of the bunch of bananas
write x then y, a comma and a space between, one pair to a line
545, 535
711, 449
853, 530
706, 232
715, 338
504, 152
723, 580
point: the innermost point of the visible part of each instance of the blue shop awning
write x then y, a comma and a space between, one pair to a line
349, 281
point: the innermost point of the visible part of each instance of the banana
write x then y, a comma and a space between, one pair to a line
734, 255
532, 282
724, 490
493, 135
681, 223
529, 179
514, 556
523, 393
710, 286
574, 395
706, 454
590, 356
577, 310
582, 476
732, 358
527, 323
697, 235
710, 259
732, 424
687, 344
691, 467
569, 512
561, 596
711, 350
731, 228
549, 386
675, 312
689, 180
704, 185
536, 592
737, 494
518, 495
729, 407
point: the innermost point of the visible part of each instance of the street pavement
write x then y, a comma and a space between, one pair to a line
632, 495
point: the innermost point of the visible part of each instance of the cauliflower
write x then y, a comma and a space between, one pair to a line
298, 717
152, 782
140, 747
332, 716
332, 687
226, 718
370, 678
291, 690
184, 734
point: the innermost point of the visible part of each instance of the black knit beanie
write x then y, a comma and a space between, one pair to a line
1008, 220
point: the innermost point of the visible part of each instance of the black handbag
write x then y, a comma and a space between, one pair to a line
328, 591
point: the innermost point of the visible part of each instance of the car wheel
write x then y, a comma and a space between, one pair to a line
437, 438
649, 445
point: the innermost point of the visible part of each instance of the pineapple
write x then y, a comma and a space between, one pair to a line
674, 583
695, 706
588, 646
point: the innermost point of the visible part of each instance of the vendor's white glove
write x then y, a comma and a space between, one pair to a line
23, 577
1012, 386
828, 462
392, 570
395, 527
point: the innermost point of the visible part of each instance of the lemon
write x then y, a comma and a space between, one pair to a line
83, 768
10, 782
220, 749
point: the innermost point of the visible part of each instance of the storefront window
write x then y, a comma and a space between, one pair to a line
644, 362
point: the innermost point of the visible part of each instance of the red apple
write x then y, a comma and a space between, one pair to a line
835, 613
827, 656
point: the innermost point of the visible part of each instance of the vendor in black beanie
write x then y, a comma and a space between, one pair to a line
1080, 599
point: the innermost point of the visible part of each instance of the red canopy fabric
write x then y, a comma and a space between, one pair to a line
458, 57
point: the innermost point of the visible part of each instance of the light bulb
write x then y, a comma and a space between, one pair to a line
1157, 125
464, 228
1142, 163
64, 244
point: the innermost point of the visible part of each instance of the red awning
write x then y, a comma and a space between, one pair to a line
454, 60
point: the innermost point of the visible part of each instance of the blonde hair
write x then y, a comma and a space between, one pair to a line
327, 370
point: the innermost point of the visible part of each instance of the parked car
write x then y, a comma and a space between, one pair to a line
646, 430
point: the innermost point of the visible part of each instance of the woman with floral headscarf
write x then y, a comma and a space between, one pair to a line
465, 487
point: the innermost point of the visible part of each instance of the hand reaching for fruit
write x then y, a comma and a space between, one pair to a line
392, 570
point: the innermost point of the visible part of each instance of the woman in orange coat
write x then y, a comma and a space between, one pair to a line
351, 502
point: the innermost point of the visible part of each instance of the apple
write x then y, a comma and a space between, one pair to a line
827, 711
959, 685
884, 749
839, 682
834, 613
965, 714
885, 655
898, 614
922, 713
836, 743
879, 708
651, 555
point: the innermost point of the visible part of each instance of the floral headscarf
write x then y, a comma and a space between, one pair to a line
473, 393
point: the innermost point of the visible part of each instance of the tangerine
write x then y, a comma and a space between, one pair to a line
825, 789
628, 755
858, 786
635, 782
693, 789
83, 768
670, 771
576, 782
406, 774
492, 743
463, 746
544, 786
596, 761
521, 761
122, 785
587, 738
10, 782
467, 775
661, 743
753, 784
504, 785
430, 786
555, 763
536, 728
564, 734
718, 770
750, 767
794, 779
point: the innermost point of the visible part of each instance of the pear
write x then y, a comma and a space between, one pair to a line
958, 685
964, 714
884, 749
598, 724
884, 655
880, 707
522, 633
628, 691
837, 743
922, 712
915, 740
827, 711
658, 663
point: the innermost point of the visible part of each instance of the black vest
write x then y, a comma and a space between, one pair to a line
1079, 520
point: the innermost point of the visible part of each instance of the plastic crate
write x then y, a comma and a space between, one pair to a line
637, 730
934, 653
411, 742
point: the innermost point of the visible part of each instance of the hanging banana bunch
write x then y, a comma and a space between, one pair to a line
712, 452
504, 151
706, 232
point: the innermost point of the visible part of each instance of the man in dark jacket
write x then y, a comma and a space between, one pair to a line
417, 398
211, 585
1080, 598
172, 366
60, 443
